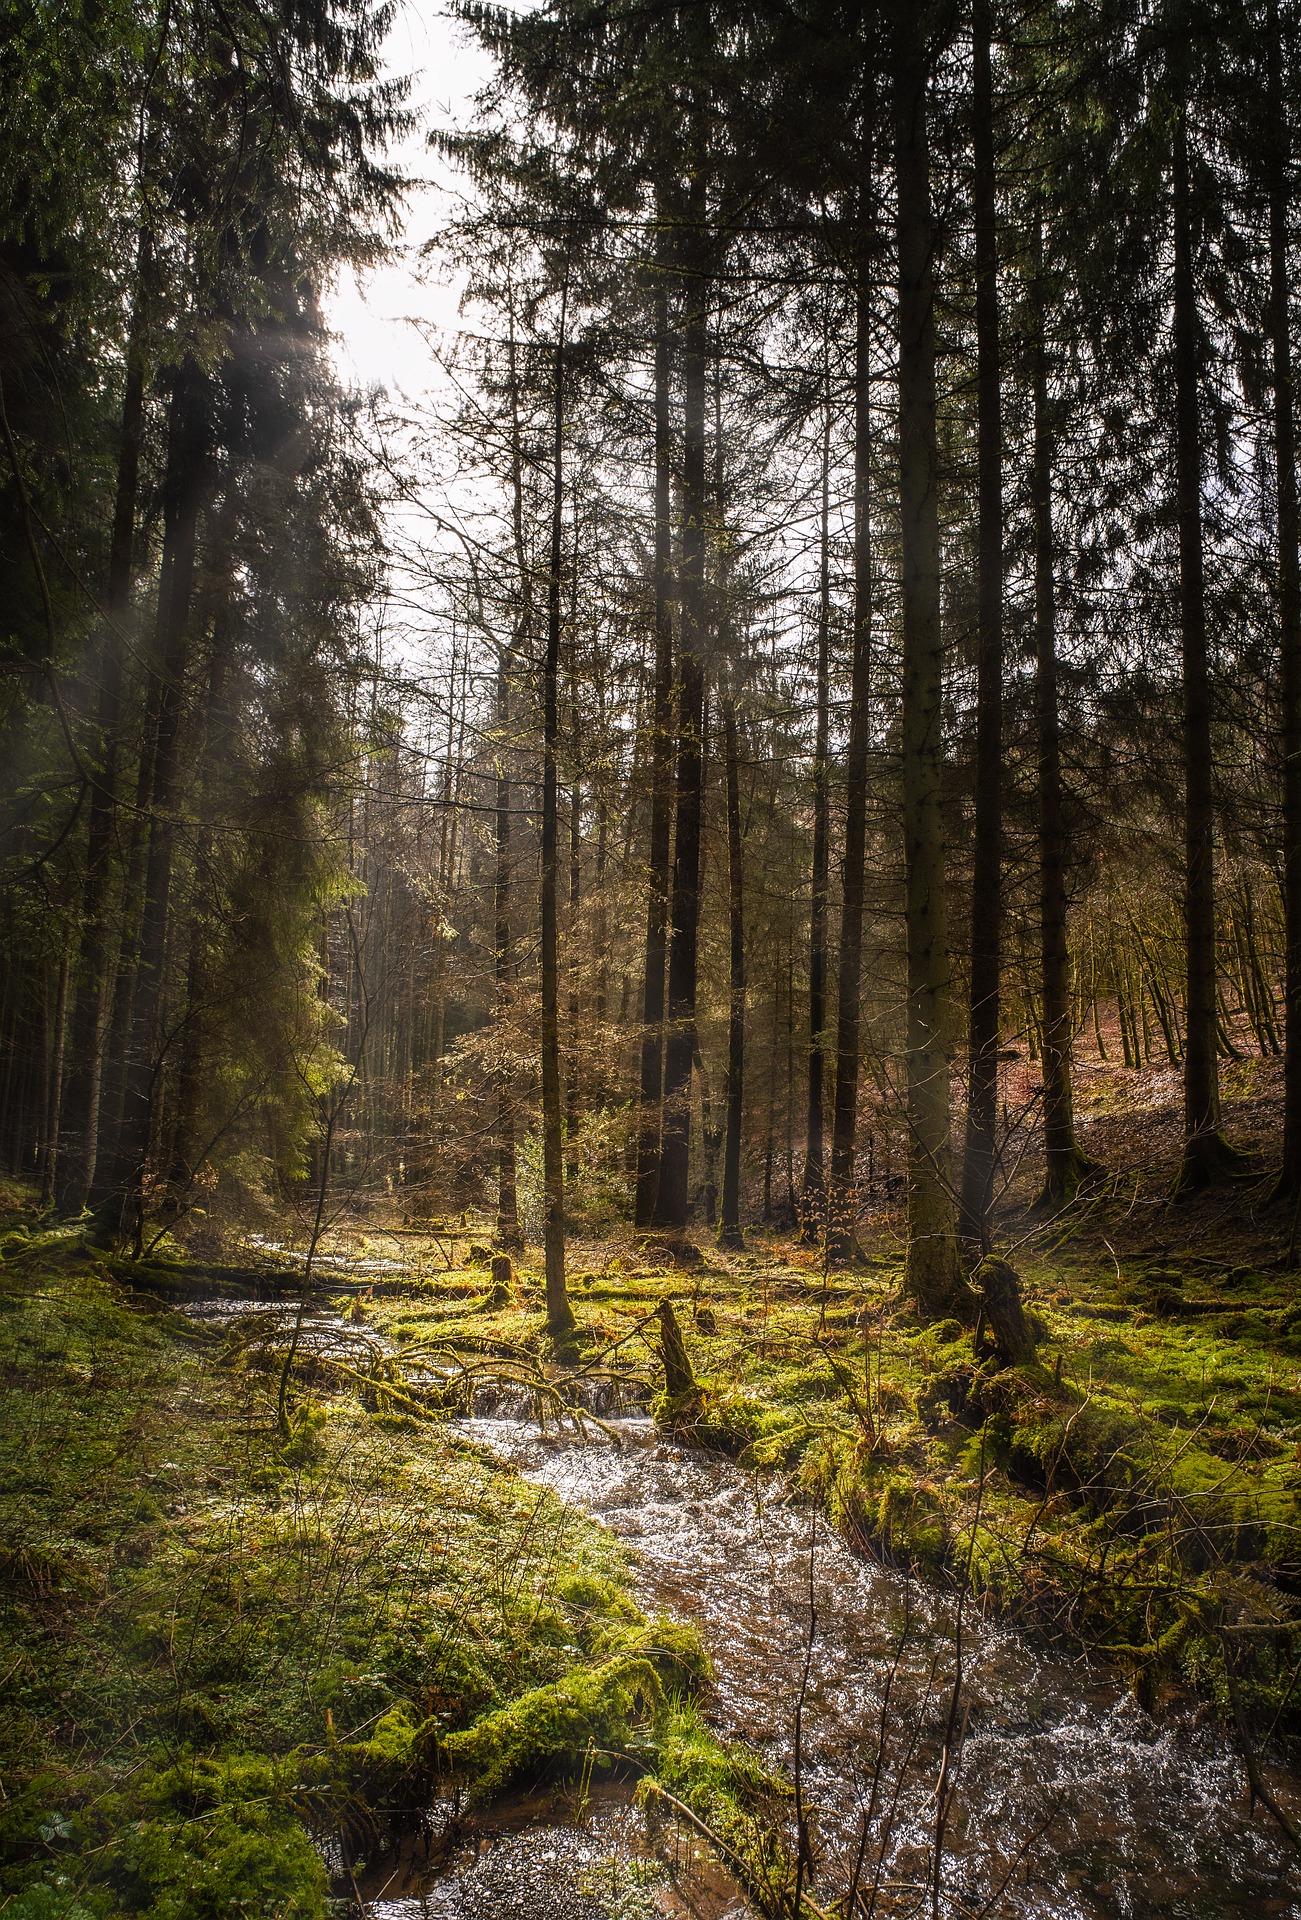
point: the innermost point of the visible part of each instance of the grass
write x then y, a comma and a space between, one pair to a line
219, 1650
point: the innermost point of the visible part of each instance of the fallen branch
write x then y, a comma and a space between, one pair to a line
1260, 1789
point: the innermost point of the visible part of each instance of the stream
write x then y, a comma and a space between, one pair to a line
1070, 1798
1070, 1801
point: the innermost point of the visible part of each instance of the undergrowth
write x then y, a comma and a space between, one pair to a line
1136, 1494
226, 1658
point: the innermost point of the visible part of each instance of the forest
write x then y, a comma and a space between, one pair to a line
650, 999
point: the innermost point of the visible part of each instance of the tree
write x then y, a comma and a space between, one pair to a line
559, 1313
933, 1275
987, 865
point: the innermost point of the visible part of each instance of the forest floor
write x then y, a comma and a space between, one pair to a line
1136, 1495
233, 1665
217, 1641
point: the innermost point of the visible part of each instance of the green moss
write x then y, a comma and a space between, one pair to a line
306, 1624
613, 1710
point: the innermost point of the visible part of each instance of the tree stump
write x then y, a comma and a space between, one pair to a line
1000, 1292
503, 1279
679, 1380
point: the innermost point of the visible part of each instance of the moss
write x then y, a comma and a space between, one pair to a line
737, 1797
611, 1710
305, 1623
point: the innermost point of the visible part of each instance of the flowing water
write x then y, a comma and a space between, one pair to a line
1069, 1797
1070, 1802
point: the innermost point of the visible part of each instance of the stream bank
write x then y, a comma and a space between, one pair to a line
394, 1573
1070, 1796
229, 1659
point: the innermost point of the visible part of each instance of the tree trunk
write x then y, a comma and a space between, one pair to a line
185, 486
508, 1233
675, 1138
679, 1377
813, 1186
559, 1314
842, 1209
1064, 1163
1206, 1153
730, 1228
933, 1272
212, 733
657, 895
1289, 599
1003, 1313
54, 1084
79, 1127
573, 1088
987, 867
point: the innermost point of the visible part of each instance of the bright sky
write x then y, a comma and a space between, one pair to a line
376, 317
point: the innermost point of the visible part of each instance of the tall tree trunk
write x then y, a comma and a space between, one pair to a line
212, 730
54, 1083
842, 1208
987, 869
1289, 596
661, 814
508, 1235
559, 1314
185, 486
453, 761
1206, 1153
680, 1039
1064, 1161
933, 1270
79, 1126
813, 1185
730, 1226
573, 1088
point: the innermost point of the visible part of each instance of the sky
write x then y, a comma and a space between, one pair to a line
381, 319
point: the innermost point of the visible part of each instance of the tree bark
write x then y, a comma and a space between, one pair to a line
508, 1233
987, 866
1003, 1313
1289, 595
933, 1271
842, 1209
559, 1313
680, 1042
573, 1087
185, 488
813, 1184
661, 813
1065, 1163
1206, 1153
211, 731
79, 1126
54, 1083
730, 1225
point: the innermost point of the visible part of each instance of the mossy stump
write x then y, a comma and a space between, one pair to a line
503, 1280
1002, 1312
682, 1401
